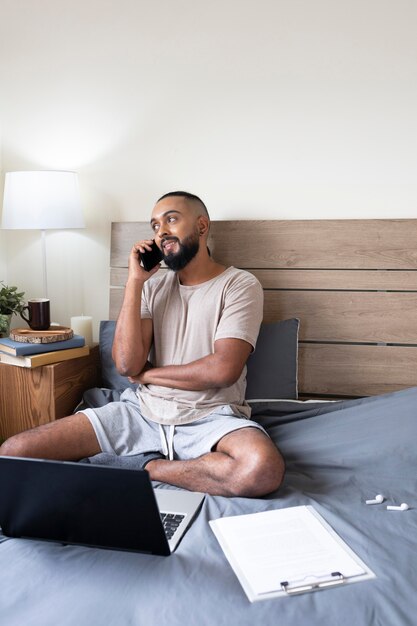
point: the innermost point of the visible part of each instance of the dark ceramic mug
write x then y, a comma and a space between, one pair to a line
39, 316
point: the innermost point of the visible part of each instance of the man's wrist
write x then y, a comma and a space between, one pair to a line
134, 282
144, 377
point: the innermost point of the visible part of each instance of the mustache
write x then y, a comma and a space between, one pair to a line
165, 239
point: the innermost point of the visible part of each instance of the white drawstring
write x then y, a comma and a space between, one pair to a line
167, 444
171, 442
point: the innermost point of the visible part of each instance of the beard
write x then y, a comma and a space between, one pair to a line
188, 248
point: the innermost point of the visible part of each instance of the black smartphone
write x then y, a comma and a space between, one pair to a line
150, 258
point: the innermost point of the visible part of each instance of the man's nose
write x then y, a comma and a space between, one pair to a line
163, 232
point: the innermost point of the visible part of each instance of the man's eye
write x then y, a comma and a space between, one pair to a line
171, 219
155, 228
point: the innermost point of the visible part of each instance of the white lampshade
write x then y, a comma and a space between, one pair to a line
42, 200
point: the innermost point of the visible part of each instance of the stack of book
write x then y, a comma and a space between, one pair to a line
36, 354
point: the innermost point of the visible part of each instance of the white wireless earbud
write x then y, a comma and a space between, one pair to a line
403, 507
378, 499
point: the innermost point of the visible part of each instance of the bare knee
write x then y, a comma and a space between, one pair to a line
260, 474
14, 446
257, 466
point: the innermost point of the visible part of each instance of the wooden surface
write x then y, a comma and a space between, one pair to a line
312, 244
352, 283
31, 397
26, 335
355, 370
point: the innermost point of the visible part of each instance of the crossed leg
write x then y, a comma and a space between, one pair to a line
244, 463
67, 439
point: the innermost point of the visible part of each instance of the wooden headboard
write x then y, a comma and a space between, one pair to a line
352, 283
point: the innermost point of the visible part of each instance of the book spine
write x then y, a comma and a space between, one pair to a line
26, 349
46, 358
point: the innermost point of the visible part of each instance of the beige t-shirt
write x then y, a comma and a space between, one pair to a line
187, 320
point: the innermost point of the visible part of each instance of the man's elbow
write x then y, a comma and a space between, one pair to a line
124, 368
126, 371
227, 376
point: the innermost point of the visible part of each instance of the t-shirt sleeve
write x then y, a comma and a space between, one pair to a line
145, 307
242, 311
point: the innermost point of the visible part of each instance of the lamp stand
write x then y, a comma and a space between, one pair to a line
44, 268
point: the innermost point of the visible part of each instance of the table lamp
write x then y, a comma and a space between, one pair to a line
43, 200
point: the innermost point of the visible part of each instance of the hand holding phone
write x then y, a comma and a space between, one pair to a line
150, 258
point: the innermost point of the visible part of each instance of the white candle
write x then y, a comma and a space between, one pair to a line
83, 325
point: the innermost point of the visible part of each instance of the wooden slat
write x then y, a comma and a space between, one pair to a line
347, 316
116, 299
319, 244
118, 275
347, 370
342, 244
123, 236
352, 280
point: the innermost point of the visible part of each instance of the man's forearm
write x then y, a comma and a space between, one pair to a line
209, 372
128, 346
191, 377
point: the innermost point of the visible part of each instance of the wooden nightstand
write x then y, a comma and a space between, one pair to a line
31, 397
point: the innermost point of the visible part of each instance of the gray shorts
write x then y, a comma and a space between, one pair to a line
121, 429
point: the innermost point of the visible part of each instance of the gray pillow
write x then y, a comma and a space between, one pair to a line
111, 379
272, 367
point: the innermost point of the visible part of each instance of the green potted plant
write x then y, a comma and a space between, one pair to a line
11, 301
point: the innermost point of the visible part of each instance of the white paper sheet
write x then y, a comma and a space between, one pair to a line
293, 545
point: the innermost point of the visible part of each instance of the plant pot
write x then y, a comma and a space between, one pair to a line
5, 321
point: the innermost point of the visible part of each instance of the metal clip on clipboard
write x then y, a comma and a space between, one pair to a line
336, 579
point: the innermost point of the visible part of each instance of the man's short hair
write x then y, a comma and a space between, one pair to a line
188, 196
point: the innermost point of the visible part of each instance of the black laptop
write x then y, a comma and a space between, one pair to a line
92, 505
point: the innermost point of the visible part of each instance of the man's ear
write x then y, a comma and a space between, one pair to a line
203, 225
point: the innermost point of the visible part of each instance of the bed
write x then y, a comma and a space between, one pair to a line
345, 419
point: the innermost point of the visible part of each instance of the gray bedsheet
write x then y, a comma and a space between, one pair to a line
338, 455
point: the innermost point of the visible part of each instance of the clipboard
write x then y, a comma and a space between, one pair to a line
286, 552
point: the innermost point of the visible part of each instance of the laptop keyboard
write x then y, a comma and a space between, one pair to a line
171, 521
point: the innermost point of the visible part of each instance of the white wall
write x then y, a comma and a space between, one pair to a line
266, 108
3, 268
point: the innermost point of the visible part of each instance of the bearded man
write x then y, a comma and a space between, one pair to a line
184, 337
